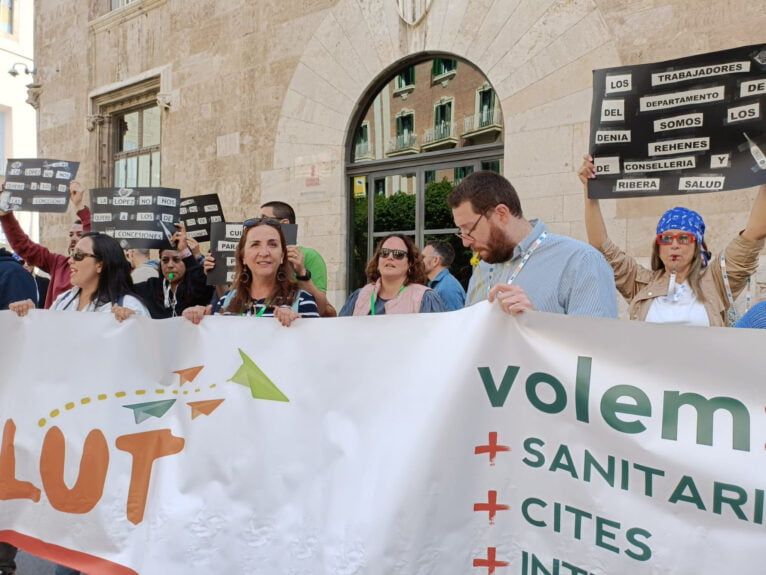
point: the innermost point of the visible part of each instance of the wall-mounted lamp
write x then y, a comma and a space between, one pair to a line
14, 72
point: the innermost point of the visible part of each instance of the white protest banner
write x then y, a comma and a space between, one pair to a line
463, 442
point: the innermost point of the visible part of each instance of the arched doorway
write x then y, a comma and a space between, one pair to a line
421, 129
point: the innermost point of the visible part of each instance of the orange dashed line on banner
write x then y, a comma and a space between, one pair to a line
42, 422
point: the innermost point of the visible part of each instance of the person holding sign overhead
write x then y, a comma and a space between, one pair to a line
183, 282
684, 285
263, 286
397, 279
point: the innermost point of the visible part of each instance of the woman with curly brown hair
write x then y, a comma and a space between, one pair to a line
262, 286
397, 279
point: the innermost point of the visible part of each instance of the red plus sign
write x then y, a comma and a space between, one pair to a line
490, 563
490, 506
493, 448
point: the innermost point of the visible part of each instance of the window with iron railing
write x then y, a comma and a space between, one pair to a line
362, 146
405, 128
486, 108
442, 121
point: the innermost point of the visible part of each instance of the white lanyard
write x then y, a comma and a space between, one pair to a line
526, 257
170, 296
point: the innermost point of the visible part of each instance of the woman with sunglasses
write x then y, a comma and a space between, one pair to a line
684, 285
397, 279
183, 283
100, 275
262, 284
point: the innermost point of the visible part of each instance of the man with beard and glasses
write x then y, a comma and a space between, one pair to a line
523, 266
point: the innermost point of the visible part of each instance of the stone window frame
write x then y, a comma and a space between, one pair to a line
108, 17
108, 107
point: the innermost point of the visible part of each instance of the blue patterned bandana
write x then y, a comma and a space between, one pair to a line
683, 219
688, 221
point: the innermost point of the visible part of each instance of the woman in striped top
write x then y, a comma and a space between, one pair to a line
262, 285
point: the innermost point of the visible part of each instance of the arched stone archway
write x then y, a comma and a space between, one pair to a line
538, 55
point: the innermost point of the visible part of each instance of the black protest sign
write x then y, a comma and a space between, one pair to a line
682, 126
224, 238
223, 244
37, 185
140, 218
198, 212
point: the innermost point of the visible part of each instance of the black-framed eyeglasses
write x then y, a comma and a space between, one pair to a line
396, 254
467, 235
78, 255
261, 220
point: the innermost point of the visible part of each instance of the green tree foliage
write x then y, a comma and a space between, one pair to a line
438, 212
395, 212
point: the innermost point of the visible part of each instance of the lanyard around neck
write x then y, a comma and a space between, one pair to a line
261, 311
170, 297
373, 296
527, 255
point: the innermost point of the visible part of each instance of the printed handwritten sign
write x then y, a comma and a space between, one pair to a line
138, 217
223, 243
37, 185
682, 126
550, 444
224, 237
198, 213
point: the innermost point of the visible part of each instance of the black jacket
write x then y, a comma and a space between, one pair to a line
193, 290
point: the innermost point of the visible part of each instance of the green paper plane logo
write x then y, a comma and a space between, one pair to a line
143, 411
250, 375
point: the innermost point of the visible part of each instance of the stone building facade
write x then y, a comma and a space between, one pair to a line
258, 98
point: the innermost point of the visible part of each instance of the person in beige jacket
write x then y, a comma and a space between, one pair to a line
684, 285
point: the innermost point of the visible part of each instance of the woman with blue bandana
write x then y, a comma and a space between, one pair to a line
685, 285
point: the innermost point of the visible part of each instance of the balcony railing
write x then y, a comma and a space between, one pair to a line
402, 143
484, 119
363, 150
443, 131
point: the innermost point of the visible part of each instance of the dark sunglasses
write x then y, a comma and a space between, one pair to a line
683, 239
261, 220
396, 254
78, 256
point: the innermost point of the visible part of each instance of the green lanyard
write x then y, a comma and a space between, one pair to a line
372, 299
262, 310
